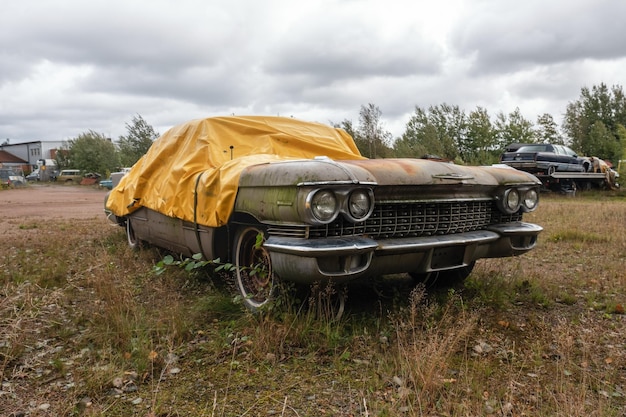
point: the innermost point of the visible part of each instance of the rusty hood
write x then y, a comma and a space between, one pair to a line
408, 171
380, 172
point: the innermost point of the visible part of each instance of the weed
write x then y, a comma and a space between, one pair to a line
28, 226
578, 236
490, 288
423, 352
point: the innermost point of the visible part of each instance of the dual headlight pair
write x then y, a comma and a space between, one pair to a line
324, 205
514, 199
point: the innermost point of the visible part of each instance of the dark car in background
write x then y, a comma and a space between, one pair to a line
9, 178
544, 158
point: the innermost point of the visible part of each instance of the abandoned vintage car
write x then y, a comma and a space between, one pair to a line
299, 201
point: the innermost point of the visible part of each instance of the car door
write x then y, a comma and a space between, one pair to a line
570, 159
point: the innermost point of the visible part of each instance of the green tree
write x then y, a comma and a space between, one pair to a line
602, 141
137, 141
92, 152
621, 134
598, 104
371, 131
450, 124
403, 148
547, 131
419, 137
513, 128
437, 131
480, 146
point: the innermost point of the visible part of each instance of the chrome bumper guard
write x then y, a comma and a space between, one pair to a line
350, 257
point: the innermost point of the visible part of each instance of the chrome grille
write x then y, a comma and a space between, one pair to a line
396, 220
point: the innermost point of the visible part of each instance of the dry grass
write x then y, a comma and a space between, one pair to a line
86, 328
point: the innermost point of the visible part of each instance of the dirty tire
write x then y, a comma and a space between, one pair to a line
254, 277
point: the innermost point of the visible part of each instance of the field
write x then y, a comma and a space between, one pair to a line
87, 328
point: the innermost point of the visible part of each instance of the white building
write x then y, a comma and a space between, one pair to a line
33, 151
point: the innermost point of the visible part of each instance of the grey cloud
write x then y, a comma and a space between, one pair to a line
351, 52
70, 66
203, 85
503, 37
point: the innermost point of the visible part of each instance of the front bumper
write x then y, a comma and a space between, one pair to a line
354, 257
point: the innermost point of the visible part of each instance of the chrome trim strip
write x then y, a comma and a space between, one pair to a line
320, 247
422, 244
321, 183
516, 229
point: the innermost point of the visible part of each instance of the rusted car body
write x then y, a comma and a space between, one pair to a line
323, 219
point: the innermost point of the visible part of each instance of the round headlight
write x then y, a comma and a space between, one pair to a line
511, 200
359, 204
531, 199
324, 206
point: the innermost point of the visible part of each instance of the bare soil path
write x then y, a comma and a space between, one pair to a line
38, 203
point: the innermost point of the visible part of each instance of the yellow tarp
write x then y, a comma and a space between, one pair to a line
213, 152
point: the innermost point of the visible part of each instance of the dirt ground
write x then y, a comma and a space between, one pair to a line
37, 203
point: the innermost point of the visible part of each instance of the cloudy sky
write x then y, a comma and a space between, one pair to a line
69, 66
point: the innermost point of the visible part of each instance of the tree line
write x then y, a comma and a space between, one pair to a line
593, 125
94, 152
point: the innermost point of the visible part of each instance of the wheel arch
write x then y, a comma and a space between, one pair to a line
238, 220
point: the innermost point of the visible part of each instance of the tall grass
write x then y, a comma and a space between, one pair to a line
92, 331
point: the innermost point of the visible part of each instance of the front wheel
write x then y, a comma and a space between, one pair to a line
253, 268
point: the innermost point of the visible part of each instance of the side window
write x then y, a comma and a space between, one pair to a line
569, 152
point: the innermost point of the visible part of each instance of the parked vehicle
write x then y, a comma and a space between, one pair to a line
90, 178
288, 200
545, 159
33, 176
114, 179
47, 170
108, 184
560, 168
9, 178
68, 176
